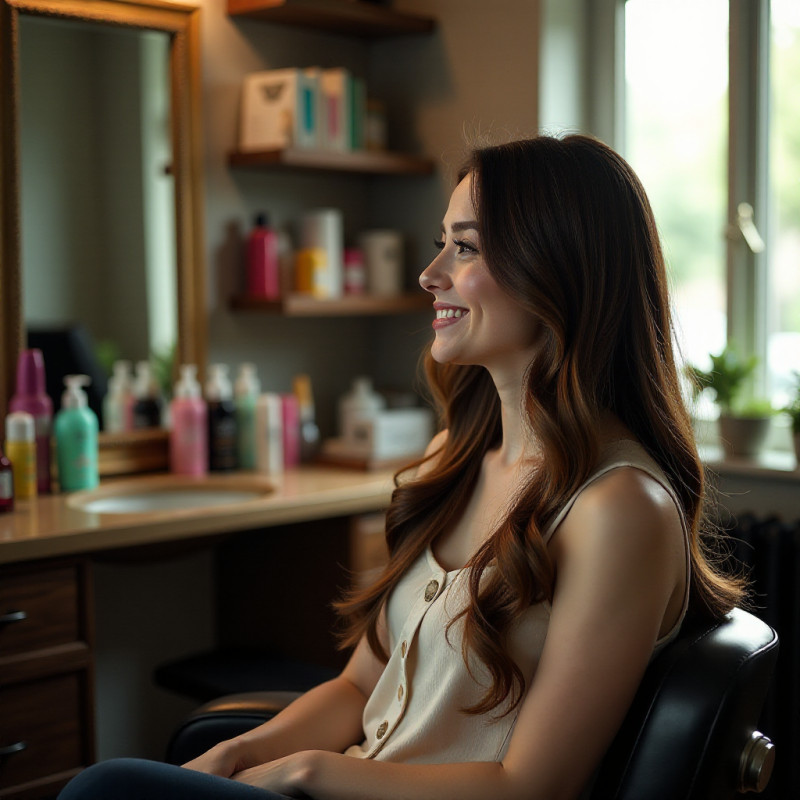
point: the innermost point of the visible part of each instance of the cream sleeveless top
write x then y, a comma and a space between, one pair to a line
413, 714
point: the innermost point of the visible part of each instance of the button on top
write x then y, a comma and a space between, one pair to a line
430, 590
400, 692
404, 649
382, 728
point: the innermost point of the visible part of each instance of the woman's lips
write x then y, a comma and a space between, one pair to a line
448, 315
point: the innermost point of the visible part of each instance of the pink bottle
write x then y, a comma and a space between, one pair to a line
188, 437
290, 408
32, 397
263, 264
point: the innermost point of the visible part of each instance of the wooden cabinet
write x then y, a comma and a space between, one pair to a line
46, 677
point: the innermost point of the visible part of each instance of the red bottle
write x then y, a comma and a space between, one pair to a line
263, 266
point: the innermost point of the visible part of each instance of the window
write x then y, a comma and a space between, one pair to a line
712, 126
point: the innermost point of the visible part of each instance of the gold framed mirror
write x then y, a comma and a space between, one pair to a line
179, 22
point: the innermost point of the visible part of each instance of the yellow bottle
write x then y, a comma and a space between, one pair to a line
21, 452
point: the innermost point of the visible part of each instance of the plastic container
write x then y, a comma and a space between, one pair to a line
76, 428
119, 400
31, 396
147, 403
246, 391
263, 263
361, 403
188, 436
6, 484
221, 420
290, 411
309, 431
355, 273
21, 449
269, 434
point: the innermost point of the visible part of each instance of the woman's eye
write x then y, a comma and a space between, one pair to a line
464, 246
438, 244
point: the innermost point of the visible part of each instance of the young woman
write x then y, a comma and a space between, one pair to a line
546, 545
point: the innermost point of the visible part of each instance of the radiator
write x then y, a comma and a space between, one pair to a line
769, 549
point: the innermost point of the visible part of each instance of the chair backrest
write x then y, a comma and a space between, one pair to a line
693, 715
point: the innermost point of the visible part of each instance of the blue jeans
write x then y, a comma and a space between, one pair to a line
137, 779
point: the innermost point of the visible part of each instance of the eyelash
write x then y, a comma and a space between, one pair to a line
463, 247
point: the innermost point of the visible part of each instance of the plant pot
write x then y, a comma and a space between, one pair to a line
742, 436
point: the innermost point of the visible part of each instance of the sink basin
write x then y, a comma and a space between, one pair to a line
169, 493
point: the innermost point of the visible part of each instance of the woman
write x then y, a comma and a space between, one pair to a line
548, 542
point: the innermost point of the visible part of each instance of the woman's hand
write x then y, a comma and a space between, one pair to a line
288, 775
221, 760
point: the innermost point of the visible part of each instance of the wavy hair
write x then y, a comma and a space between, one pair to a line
566, 229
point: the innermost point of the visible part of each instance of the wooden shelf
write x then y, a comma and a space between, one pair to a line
300, 305
367, 162
350, 17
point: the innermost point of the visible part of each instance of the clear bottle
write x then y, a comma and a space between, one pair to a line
31, 396
263, 263
246, 391
6, 484
221, 420
119, 400
76, 428
21, 449
147, 405
188, 437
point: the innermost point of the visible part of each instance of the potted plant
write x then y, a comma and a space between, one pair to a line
793, 410
743, 424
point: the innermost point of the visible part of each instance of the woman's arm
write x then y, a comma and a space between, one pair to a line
327, 717
620, 562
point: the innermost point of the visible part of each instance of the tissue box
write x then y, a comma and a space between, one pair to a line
280, 108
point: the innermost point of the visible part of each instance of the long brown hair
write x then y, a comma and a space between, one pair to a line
567, 230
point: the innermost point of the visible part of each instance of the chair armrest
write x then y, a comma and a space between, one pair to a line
222, 719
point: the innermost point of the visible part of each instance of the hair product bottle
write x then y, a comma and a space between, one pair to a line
361, 403
188, 437
290, 411
147, 406
6, 484
309, 432
21, 449
246, 392
31, 396
76, 429
269, 434
119, 400
221, 420
263, 263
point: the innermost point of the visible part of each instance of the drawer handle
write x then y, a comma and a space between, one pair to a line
13, 616
17, 747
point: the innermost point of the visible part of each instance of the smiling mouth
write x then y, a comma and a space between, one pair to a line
450, 313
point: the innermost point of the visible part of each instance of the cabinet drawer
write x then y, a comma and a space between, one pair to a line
38, 609
43, 718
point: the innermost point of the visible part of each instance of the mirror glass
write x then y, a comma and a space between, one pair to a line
97, 198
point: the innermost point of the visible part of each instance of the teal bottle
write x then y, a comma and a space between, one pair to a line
75, 430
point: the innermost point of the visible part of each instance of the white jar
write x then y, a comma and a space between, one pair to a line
360, 404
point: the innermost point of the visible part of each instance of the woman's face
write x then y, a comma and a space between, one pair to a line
476, 322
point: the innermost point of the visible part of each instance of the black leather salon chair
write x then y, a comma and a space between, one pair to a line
689, 735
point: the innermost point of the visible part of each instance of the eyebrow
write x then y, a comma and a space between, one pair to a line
458, 227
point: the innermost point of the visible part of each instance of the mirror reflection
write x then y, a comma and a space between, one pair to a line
97, 194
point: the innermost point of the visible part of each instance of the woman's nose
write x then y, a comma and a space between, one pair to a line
433, 277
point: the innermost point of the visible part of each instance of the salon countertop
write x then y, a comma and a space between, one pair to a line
56, 525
